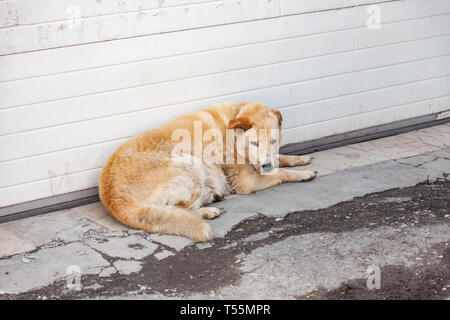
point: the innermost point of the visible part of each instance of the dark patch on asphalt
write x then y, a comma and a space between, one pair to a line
426, 282
203, 271
136, 246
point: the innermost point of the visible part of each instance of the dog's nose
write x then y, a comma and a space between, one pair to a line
267, 166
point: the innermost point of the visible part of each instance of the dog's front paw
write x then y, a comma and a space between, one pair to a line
301, 175
301, 160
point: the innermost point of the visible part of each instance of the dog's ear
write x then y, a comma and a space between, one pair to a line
278, 114
239, 123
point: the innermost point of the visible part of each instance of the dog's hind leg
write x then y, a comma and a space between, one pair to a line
250, 182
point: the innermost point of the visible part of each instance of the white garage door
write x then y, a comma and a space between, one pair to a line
78, 77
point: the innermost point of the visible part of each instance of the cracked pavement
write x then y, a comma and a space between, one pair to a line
382, 202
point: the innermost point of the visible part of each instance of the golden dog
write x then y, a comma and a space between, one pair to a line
144, 187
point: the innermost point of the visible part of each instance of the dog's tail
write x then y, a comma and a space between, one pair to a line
164, 220
154, 219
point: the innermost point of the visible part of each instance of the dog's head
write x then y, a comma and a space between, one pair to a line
258, 136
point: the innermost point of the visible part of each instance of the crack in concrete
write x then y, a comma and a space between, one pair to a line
420, 164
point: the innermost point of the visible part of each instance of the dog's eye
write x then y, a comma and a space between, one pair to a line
254, 143
273, 141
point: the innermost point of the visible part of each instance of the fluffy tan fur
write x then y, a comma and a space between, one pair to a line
142, 187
